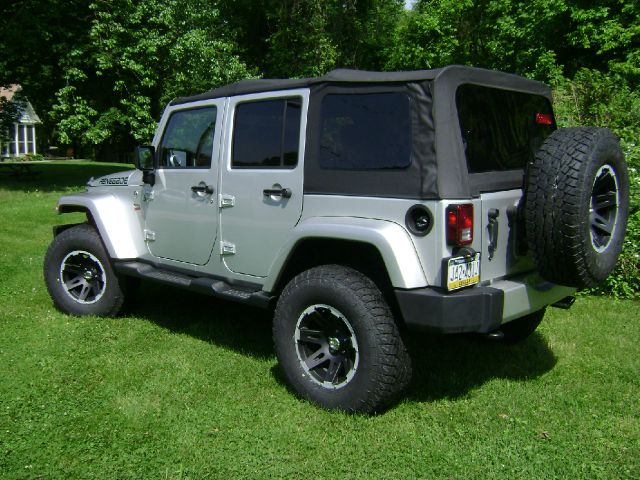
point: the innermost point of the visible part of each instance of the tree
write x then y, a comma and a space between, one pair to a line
138, 56
294, 38
537, 38
34, 36
508, 35
9, 114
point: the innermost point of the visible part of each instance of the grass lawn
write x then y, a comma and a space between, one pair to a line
188, 387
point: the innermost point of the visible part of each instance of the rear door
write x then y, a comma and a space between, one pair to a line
501, 131
261, 178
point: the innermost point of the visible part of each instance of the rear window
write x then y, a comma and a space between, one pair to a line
365, 131
499, 128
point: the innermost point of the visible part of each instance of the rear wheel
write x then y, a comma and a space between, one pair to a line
79, 276
337, 342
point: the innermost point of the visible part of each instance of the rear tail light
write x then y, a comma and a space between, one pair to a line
460, 224
544, 119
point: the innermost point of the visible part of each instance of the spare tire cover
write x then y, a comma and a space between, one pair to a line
576, 205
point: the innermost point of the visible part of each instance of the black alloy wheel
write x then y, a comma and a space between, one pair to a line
327, 347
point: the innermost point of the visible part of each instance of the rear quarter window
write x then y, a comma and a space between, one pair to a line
365, 131
499, 128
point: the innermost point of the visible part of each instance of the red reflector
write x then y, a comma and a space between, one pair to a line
460, 224
544, 119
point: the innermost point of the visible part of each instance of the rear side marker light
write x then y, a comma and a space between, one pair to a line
460, 224
544, 119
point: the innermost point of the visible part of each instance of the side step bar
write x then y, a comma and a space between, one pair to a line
207, 285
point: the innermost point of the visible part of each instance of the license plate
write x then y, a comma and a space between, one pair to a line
463, 271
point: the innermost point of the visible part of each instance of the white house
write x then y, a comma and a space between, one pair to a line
22, 138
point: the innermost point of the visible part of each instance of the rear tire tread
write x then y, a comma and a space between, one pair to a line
557, 205
393, 368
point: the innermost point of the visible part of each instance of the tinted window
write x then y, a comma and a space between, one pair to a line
499, 128
266, 134
365, 131
188, 139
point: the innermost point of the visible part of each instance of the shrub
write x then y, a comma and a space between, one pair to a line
32, 157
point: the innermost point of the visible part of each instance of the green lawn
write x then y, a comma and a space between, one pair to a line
188, 387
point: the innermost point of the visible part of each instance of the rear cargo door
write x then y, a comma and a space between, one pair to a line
501, 131
502, 231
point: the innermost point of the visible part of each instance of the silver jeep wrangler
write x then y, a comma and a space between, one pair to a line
360, 206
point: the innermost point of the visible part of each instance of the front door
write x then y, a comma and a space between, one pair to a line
261, 181
182, 212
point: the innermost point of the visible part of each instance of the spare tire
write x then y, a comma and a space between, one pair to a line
576, 205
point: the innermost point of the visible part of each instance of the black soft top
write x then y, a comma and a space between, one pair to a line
438, 166
454, 73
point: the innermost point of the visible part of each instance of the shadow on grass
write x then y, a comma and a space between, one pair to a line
444, 366
450, 366
49, 177
226, 324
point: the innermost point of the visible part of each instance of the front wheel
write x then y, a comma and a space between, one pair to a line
79, 276
337, 342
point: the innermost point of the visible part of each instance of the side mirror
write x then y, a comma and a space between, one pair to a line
145, 156
145, 161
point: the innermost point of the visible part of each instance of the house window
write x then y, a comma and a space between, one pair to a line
13, 144
4, 146
19, 140
22, 139
31, 137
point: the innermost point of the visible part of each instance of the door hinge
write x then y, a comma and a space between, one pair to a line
227, 201
227, 248
147, 193
149, 235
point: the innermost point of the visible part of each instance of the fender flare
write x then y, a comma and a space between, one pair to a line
118, 226
390, 239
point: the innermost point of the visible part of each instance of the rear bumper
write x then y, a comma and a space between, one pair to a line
478, 309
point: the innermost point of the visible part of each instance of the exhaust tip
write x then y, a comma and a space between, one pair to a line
565, 303
495, 336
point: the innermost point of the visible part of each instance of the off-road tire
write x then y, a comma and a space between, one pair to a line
569, 191
383, 368
520, 329
85, 240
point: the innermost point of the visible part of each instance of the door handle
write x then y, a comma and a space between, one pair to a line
277, 192
202, 188
492, 228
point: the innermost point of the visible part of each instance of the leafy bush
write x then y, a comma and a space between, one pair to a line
595, 98
33, 157
624, 282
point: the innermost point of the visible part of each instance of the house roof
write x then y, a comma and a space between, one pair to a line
27, 114
9, 92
